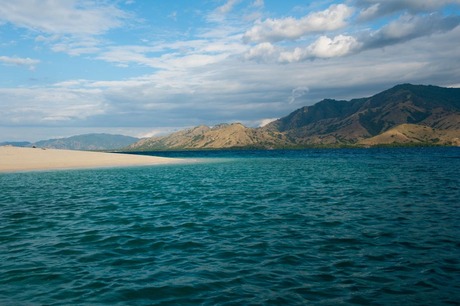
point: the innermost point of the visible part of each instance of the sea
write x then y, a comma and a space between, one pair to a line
378, 226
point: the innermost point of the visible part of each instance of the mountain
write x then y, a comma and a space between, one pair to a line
16, 143
233, 135
348, 122
405, 114
88, 142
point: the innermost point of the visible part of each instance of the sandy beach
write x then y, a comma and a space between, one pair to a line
13, 159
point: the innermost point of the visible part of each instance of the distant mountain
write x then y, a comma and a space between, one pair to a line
88, 142
15, 143
405, 114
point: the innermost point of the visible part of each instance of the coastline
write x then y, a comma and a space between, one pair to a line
18, 159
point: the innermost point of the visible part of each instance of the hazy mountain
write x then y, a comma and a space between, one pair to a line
16, 143
88, 142
404, 114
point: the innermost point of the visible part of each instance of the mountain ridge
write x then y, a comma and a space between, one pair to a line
332, 122
91, 142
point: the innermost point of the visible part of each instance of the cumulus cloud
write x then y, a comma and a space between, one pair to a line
18, 61
262, 51
407, 27
404, 29
323, 47
273, 30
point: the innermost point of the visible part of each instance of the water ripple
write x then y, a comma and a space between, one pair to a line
351, 227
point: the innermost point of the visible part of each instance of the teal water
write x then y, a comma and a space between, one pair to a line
316, 227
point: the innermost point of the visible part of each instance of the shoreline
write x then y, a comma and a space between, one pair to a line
19, 159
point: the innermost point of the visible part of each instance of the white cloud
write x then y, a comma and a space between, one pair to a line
228, 6
223, 13
194, 60
19, 61
37, 106
297, 55
401, 30
77, 46
177, 55
69, 26
264, 122
262, 51
129, 55
71, 83
180, 56
273, 30
323, 47
62, 17
157, 132
258, 3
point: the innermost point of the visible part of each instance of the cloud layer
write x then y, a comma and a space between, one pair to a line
416, 19
7, 60
144, 68
62, 16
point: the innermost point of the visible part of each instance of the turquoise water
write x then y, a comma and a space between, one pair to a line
317, 227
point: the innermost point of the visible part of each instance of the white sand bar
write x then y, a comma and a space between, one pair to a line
14, 159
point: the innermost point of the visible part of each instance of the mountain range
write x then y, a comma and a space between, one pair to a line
92, 142
403, 115
88, 142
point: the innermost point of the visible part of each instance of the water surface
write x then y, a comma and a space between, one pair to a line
319, 227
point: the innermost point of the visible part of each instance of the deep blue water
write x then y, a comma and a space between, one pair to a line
317, 227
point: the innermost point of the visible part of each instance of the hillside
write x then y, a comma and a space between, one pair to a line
414, 134
88, 142
423, 114
221, 136
348, 122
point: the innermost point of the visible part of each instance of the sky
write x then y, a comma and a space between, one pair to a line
149, 67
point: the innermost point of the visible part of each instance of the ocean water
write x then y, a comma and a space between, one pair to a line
307, 227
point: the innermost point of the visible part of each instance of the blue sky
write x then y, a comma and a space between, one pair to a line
149, 67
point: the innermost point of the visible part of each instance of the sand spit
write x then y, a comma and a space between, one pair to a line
13, 159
